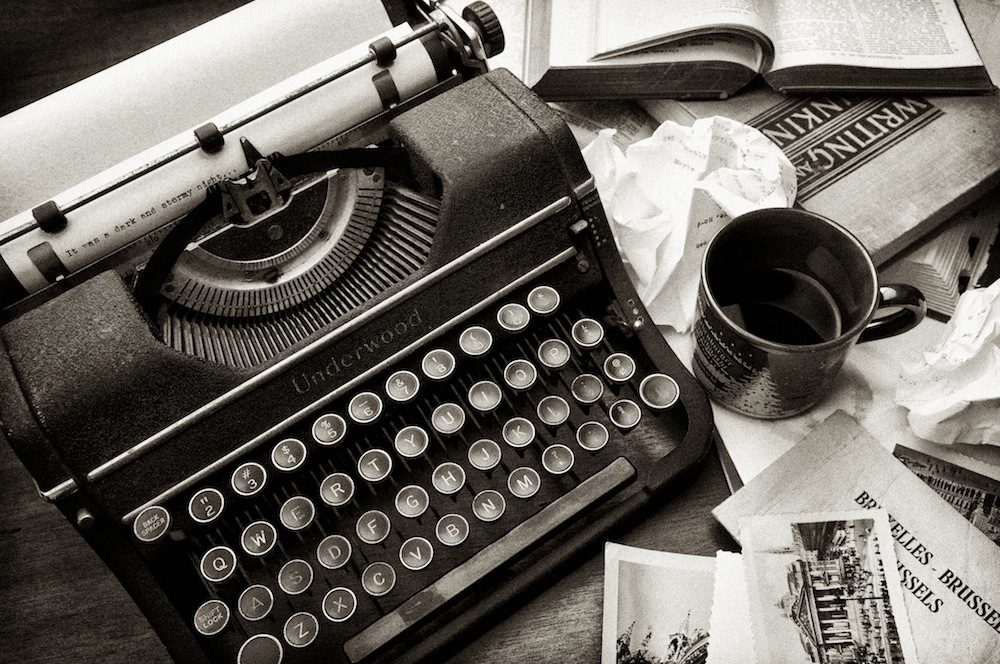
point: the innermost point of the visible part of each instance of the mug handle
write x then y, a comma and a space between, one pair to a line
912, 309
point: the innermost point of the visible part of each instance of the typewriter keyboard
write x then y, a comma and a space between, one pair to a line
330, 541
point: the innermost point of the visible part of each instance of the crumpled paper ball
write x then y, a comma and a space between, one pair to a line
952, 392
668, 194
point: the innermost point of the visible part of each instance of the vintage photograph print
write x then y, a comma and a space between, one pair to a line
657, 606
974, 495
825, 588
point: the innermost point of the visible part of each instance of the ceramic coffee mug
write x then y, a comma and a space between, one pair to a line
784, 296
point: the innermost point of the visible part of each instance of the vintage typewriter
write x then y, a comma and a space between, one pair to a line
345, 404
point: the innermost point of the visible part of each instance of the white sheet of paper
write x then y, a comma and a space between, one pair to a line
162, 91
667, 195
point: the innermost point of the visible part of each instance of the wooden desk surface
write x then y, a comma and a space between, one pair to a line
59, 602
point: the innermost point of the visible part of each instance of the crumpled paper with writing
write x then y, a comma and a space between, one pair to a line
667, 195
952, 392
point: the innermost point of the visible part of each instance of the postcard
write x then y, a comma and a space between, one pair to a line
974, 495
949, 570
825, 588
657, 606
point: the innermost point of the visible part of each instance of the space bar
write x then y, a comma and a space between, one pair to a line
524, 536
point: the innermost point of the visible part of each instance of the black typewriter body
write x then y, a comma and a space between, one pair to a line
449, 440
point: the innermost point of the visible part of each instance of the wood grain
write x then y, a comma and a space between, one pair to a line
60, 603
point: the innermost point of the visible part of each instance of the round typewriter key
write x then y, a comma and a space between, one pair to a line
337, 489
587, 388
258, 538
553, 353
295, 576
249, 478
448, 478
523, 482
452, 529
260, 649
218, 564
206, 505
624, 413
520, 374
488, 505
475, 341
543, 299
438, 364
587, 333
151, 524
329, 429
619, 367
288, 454
557, 459
301, 629
416, 553
211, 617
372, 527
484, 454
374, 465
448, 418
513, 317
485, 396
297, 513
518, 432
334, 551
592, 436
402, 386
340, 604
411, 441
553, 410
378, 579
365, 407
412, 501
659, 391
255, 602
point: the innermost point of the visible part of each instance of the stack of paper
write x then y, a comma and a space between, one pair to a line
944, 265
848, 556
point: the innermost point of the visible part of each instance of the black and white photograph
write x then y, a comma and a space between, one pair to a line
657, 606
825, 589
975, 496
362, 331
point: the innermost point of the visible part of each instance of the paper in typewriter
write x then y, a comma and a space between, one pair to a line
949, 570
115, 114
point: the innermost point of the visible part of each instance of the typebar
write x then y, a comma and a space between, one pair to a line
525, 536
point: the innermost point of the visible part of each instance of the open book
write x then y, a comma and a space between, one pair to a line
711, 48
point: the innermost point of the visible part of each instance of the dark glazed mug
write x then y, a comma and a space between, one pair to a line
784, 295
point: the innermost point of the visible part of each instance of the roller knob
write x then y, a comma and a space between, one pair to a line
486, 23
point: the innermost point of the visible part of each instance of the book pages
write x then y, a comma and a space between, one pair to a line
900, 34
624, 27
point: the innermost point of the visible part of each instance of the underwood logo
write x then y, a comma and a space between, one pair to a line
827, 138
372, 345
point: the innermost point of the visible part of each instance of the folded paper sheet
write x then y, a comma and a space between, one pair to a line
952, 392
667, 195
